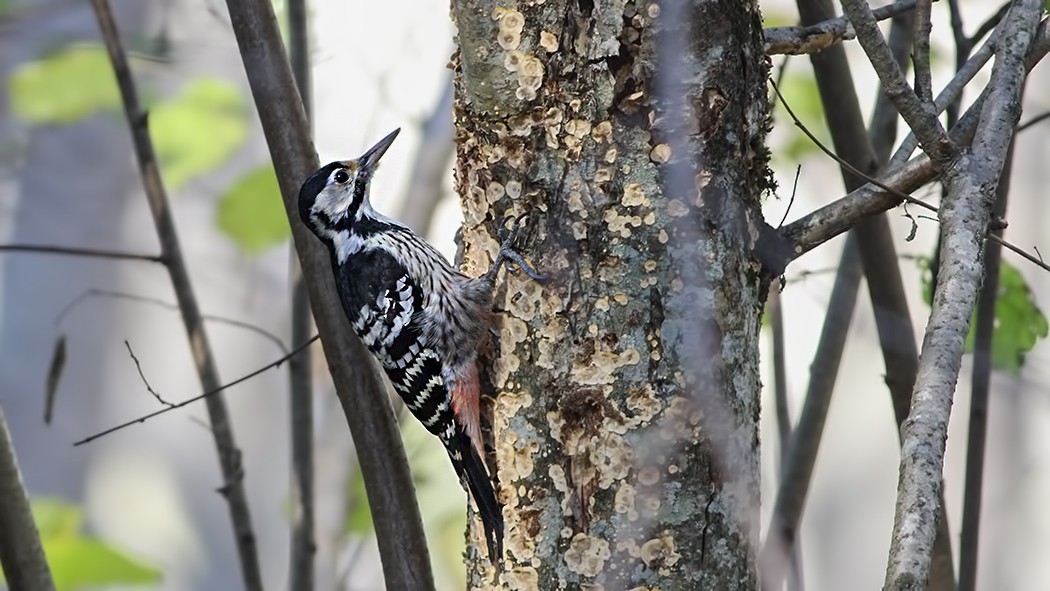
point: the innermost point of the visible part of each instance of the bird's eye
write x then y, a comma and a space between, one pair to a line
341, 177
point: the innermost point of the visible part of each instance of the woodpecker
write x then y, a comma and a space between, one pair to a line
421, 318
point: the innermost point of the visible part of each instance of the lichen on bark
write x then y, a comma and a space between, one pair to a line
625, 386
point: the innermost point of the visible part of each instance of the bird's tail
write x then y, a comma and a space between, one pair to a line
471, 468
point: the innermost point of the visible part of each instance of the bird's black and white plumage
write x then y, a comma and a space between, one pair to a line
421, 318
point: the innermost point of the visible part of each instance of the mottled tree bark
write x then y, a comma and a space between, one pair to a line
626, 388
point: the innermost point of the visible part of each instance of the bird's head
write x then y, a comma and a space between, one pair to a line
336, 196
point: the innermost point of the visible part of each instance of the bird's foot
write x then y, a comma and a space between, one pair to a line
507, 255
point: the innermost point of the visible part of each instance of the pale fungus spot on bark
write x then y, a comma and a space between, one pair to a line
660, 154
513, 189
677, 285
512, 60
610, 155
511, 24
629, 546
578, 128
508, 39
620, 298
649, 475
618, 224
602, 132
650, 506
679, 420
524, 296
649, 219
603, 175
576, 204
557, 474
649, 266
662, 237
548, 41
566, 532
515, 457
602, 304
522, 578
643, 404
677, 209
634, 195
579, 230
598, 368
514, 331
493, 192
613, 457
653, 10
624, 501
659, 553
587, 555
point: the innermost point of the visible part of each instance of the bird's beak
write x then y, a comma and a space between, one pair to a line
370, 159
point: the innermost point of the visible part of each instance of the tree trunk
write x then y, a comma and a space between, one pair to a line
626, 385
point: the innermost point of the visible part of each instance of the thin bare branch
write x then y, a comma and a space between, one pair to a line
203, 396
82, 252
920, 116
840, 215
229, 454
900, 195
303, 546
990, 24
796, 40
142, 376
795, 578
976, 434
21, 553
1033, 121
797, 468
923, 75
120, 295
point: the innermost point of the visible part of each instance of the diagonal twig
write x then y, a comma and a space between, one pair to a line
222, 430
919, 115
138, 366
203, 396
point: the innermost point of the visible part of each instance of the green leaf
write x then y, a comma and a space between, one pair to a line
78, 561
252, 214
64, 87
1019, 323
199, 130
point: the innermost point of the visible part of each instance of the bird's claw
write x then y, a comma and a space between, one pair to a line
507, 254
